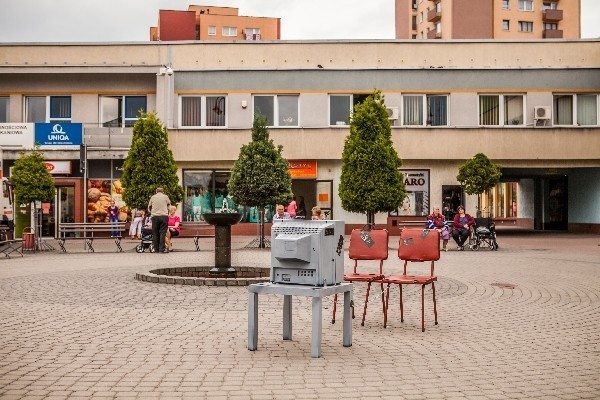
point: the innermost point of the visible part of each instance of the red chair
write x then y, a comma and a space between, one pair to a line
416, 245
371, 245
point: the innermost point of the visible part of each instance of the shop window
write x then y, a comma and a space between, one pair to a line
416, 202
48, 109
203, 111
280, 110
121, 111
4, 110
341, 107
500, 201
501, 110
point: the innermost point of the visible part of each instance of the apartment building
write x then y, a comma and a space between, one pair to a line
213, 23
531, 106
489, 19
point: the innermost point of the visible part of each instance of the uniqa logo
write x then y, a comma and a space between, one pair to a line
58, 133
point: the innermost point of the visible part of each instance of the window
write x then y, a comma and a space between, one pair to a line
4, 110
505, 4
48, 109
414, 23
252, 31
506, 25
501, 110
229, 31
212, 30
421, 110
341, 107
547, 5
438, 27
550, 26
582, 108
121, 111
203, 111
280, 110
500, 201
525, 26
526, 5
421, 17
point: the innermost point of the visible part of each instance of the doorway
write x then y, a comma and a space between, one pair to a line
314, 193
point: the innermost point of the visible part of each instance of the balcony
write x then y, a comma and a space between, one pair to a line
434, 15
434, 35
553, 34
552, 15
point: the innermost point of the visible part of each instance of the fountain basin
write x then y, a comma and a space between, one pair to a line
201, 276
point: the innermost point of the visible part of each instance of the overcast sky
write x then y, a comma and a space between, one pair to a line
129, 20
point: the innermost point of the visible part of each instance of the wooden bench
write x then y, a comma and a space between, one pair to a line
89, 231
196, 230
9, 246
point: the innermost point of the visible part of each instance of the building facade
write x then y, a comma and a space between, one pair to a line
495, 19
213, 23
532, 107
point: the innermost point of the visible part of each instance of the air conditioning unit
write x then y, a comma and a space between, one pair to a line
542, 112
392, 112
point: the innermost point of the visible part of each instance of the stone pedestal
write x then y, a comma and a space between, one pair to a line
222, 223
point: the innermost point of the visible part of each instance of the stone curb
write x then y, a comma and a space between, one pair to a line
199, 276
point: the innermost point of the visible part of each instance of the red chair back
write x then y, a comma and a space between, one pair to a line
368, 244
419, 245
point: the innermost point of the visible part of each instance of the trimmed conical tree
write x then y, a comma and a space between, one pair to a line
149, 164
31, 180
478, 175
260, 175
371, 181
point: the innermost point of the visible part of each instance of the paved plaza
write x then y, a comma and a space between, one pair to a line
522, 322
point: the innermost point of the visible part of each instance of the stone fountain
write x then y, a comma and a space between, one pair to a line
222, 222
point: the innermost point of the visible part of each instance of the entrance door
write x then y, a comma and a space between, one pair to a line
65, 209
324, 197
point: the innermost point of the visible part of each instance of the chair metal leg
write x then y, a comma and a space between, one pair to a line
434, 303
387, 300
366, 302
334, 308
422, 308
383, 304
401, 305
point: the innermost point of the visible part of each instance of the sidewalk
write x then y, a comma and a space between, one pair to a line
78, 325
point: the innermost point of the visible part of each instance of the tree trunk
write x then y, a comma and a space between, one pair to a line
371, 219
261, 221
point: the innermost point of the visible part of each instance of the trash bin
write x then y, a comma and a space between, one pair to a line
28, 239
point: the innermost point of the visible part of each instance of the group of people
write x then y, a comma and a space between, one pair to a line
461, 226
281, 213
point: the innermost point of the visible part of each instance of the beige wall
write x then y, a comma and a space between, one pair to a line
269, 27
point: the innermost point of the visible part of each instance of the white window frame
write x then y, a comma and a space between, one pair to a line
506, 4
229, 31
6, 99
212, 30
553, 5
575, 114
252, 31
425, 109
525, 23
501, 110
48, 118
506, 25
350, 97
276, 108
203, 114
526, 5
124, 119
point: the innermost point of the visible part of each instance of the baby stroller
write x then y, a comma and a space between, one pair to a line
146, 242
484, 234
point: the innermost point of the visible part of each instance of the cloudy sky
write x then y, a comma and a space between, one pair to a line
129, 20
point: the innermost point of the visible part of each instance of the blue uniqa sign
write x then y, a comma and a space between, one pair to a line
56, 134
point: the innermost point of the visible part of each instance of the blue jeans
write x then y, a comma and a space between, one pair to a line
115, 232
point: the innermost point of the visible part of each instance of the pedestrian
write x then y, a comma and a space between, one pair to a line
461, 228
159, 207
291, 208
280, 213
436, 220
135, 230
173, 227
316, 213
113, 216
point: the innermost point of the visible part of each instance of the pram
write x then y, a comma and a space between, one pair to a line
146, 242
484, 235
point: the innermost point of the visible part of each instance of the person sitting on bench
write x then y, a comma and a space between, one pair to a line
174, 227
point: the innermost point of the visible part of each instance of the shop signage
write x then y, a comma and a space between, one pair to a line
59, 135
416, 202
303, 169
58, 167
17, 135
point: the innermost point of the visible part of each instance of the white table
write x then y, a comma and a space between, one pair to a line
317, 293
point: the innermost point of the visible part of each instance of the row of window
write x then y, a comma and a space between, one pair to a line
527, 5
283, 110
232, 31
527, 26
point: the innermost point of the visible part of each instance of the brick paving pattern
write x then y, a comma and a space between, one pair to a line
80, 326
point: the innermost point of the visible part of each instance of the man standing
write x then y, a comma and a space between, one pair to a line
281, 214
159, 209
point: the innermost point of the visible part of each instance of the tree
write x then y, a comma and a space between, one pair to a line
371, 181
260, 175
31, 179
149, 164
478, 175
